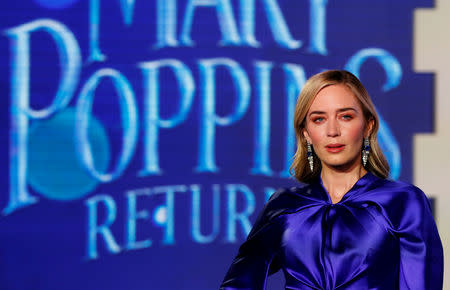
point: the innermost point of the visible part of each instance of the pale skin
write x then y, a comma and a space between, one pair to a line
336, 128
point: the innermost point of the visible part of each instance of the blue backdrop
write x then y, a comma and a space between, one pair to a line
141, 138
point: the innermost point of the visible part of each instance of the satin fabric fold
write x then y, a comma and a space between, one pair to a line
381, 235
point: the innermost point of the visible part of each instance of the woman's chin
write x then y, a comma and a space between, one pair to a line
341, 165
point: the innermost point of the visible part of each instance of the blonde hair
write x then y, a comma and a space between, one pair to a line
376, 162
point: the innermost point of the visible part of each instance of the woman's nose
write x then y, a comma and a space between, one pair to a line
333, 128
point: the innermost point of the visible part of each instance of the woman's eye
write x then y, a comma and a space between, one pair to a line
318, 119
347, 117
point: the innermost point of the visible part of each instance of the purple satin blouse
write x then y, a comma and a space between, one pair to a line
381, 235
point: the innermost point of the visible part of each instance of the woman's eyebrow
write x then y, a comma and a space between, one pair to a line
338, 110
346, 109
316, 112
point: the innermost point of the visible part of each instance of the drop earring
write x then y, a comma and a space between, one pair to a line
310, 156
365, 151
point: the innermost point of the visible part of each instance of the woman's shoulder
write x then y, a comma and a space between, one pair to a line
289, 192
289, 199
399, 199
400, 190
298, 193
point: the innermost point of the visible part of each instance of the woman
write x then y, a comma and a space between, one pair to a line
347, 227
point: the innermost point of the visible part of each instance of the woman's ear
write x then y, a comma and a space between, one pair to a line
369, 127
306, 135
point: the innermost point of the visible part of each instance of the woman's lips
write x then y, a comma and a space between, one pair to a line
335, 148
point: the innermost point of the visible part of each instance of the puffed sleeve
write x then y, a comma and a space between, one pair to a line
421, 254
257, 256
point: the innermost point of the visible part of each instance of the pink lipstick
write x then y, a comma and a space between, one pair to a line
335, 148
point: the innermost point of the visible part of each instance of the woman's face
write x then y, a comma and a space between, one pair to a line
336, 127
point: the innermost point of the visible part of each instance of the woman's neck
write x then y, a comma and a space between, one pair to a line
339, 182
